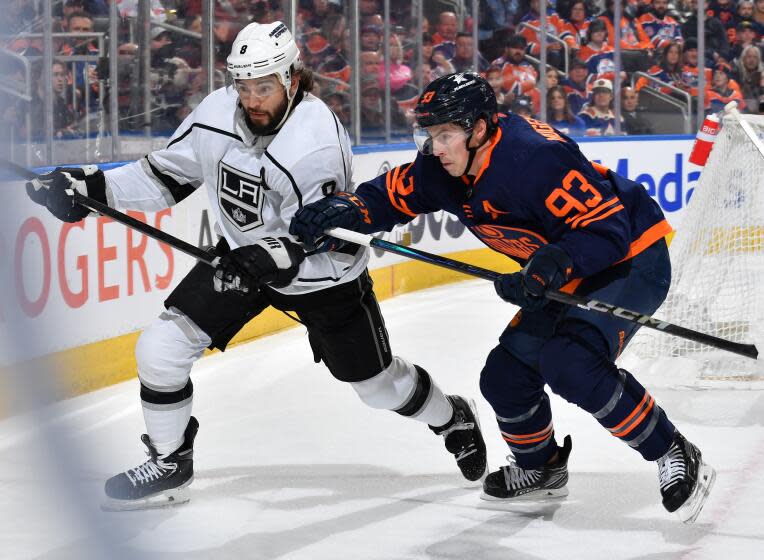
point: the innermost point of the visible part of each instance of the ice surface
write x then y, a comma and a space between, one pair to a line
291, 465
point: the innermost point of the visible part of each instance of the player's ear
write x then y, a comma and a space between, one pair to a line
480, 131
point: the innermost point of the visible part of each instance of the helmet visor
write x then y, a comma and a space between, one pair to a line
437, 138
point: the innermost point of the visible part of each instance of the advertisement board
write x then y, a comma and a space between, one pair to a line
73, 284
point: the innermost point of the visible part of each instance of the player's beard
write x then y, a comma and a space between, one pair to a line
269, 127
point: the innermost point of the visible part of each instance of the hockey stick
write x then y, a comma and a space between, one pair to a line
731, 109
124, 219
747, 350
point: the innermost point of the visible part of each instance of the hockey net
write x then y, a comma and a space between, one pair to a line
717, 260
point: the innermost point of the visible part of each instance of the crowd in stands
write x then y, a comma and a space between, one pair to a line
658, 39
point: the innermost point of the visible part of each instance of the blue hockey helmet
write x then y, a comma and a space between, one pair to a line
460, 98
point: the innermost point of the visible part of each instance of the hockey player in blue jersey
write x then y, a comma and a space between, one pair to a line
525, 190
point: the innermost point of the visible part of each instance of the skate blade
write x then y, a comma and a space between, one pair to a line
543, 495
166, 499
689, 511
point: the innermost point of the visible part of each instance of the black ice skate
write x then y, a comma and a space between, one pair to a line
159, 482
464, 439
511, 483
685, 479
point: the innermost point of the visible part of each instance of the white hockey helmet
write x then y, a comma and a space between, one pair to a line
261, 49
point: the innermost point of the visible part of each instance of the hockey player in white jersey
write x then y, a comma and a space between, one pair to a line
261, 148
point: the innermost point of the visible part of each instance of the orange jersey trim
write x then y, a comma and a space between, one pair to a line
591, 213
491, 146
602, 216
653, 234
599, 168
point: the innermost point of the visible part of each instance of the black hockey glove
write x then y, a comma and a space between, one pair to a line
344, 210
55, 190
269, 261
549, 269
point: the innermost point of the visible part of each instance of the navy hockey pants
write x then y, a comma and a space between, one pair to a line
573, 351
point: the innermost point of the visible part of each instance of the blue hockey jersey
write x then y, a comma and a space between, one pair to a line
535, 187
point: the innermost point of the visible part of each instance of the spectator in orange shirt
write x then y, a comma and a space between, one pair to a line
555, 28
519, 75
722, 91
596, 41
633, 37
690, 68
575, 23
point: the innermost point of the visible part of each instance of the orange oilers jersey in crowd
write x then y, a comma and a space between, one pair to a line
660, 31
574, 34
518, 78
633, 37
555, 27
535, 187
587, 51
690, 78
716, 101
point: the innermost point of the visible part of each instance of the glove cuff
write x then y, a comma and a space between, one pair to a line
97, 186
358, 204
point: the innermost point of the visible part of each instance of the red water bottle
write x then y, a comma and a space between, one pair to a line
704, 141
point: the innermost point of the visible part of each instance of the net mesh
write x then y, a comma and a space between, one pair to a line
717, 260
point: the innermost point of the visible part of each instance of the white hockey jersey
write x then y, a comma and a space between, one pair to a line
255, 184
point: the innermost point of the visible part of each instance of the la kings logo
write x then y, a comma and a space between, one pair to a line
240, 196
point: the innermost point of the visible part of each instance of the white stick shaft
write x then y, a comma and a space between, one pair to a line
731, 109
351, 236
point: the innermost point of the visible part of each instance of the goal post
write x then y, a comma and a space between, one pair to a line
717, 258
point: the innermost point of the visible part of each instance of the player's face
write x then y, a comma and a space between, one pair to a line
449, 145
264, 101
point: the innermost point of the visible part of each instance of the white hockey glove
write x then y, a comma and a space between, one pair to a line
272, 261
55, 190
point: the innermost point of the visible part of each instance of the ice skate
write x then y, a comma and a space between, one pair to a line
685, 480
512, 483
159, 482
464, 439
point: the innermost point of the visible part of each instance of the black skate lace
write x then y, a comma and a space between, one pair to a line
520, 478
671, 467
147, 472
